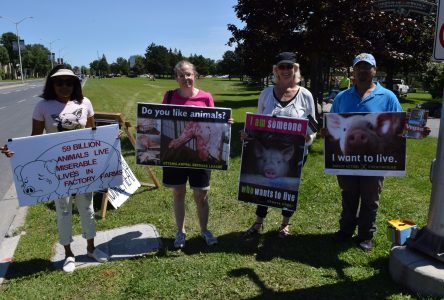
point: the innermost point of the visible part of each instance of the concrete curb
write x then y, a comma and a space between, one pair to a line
417, 271
9, 238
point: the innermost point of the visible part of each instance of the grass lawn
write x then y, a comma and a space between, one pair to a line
307, 265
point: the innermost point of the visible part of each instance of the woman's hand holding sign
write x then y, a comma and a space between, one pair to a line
6, 151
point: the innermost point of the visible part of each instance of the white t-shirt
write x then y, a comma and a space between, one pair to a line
60, 116
300, 107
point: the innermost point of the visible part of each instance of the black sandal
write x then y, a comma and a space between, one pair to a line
253, 230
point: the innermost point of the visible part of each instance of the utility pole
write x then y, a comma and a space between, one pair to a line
18, 41
50, 52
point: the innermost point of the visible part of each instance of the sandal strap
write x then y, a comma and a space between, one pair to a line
253, 230
284, 231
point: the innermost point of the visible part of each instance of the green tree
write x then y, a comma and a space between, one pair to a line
83, 70
6, 40
327, 34
122, 66
174, 57
203, 65
103, 66
433, 79
4, 56
94, 68
139, 66
157, 60
114, 68
230, 64
35, 60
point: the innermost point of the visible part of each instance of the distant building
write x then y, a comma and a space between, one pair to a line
132, 61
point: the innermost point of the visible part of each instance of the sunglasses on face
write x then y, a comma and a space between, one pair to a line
285, 67
362, 66
64, 82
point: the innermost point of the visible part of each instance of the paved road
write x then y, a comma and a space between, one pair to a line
16, 104
434, 123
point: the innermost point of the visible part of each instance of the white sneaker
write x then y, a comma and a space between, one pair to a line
69, 265
209, 238
98, 255
179, 242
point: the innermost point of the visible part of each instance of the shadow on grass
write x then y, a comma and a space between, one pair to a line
235, 143
238, 103
126, 146
375, 287
256, 94
27, 268
406, 100
318, 251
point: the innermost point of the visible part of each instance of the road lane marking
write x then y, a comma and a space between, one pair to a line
21, 100
3, 107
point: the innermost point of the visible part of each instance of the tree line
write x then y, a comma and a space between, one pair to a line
157, 60
326, 35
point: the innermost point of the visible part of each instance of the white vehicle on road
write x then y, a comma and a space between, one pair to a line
400, 88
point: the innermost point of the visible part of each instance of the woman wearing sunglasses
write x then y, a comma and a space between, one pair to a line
287, 99
65, 108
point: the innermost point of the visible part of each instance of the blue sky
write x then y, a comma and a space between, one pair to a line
84, 29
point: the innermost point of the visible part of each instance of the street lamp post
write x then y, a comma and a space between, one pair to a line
18, 41
50, 52
60, 50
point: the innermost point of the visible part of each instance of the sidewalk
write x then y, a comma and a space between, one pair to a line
433, 124
119, 243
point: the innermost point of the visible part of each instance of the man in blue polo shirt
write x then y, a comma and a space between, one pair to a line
360, 194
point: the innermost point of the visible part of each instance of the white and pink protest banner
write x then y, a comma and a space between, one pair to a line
51, 166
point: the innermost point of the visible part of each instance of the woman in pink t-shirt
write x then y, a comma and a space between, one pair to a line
176, 178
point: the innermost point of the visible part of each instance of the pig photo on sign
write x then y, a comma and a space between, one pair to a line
148, 126
145, 141
272, 163
371, 133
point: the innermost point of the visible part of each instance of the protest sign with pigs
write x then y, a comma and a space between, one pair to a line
55, 165
366, 144
271, 162
183, 136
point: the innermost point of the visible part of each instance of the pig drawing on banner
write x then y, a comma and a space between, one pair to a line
71, 167
365, 144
